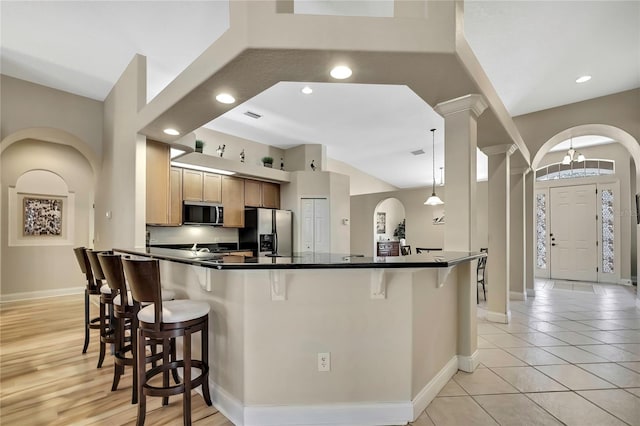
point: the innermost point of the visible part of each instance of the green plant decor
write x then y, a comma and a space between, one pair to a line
399, 231
199, 145
267, 160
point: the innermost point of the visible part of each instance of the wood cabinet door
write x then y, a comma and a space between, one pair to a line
270, 195
252, 193
233, 202
157, 197
212, 188
191, 185
175, 196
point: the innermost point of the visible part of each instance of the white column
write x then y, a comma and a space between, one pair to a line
499, 224
530, 232
516, 235
460, 124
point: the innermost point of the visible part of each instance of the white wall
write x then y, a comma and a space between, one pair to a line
360, 182
27, 110
122, 180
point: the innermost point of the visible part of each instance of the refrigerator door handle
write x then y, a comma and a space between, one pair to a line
275, 239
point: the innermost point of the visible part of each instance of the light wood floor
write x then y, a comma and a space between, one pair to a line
46, 380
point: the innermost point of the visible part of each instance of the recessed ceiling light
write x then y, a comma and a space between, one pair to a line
307, 90
341, 72
172, 132
225, 98
583, 79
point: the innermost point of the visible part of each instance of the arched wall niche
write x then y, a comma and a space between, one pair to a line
49, 134
387, 215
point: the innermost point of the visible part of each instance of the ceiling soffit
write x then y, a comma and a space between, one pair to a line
416, 52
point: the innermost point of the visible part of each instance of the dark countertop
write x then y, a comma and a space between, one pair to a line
439, 259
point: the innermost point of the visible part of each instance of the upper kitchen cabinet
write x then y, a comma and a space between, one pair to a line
191, 185
158, 181
270, 195
261, 194
201, 186
233, 202
211, 188
175, 196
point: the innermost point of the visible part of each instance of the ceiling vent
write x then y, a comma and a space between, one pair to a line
418, 152
252, 115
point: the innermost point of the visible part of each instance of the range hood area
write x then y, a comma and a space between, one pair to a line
199, 161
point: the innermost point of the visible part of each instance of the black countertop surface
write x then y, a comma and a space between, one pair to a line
438, 259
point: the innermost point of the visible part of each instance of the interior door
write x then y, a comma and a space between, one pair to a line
573, 233
315, 231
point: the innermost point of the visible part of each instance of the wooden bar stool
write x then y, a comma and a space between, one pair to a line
107, 327
92, 288
125, 315
166, 321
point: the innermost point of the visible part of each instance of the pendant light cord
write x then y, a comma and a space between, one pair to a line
433, 159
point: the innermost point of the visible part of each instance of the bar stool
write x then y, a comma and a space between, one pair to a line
125, 314
107, 327
91, 288
166, 321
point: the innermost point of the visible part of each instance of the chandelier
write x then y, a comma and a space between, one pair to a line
572, 155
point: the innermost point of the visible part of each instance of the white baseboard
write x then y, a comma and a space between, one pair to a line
514, 295
499, 317
232, 408
469, 363
435, 385
625, 281
531, 292
392, 413
375, 413
40, 294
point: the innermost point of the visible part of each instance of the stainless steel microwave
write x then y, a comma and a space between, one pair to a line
199, 213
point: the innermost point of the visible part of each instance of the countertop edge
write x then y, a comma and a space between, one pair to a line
465, 257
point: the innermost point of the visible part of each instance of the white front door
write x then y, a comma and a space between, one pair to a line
573, 233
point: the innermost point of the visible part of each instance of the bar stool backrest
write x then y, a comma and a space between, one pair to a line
92, 255
144, 280
112, 267
85, 267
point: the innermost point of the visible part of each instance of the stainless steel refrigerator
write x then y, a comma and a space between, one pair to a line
267, 232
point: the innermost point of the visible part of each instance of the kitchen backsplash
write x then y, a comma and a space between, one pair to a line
188, 234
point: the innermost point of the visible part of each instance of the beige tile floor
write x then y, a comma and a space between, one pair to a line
571, 356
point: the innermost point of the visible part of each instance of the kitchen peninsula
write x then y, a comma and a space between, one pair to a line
390, 332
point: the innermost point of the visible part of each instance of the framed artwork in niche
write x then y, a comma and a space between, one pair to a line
42, 216
381, 223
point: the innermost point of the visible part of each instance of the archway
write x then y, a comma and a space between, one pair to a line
627, 141
388, 222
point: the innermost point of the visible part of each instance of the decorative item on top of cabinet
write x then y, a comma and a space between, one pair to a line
267, 161
233, 202
261, 194
201, 186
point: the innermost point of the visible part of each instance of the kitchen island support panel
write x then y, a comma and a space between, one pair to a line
390, 356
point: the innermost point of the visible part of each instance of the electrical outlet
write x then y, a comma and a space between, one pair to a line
324, 361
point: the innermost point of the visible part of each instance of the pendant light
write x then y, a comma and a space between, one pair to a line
570, 156
434, 200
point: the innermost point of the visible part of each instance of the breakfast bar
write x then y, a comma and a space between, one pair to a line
329, 338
